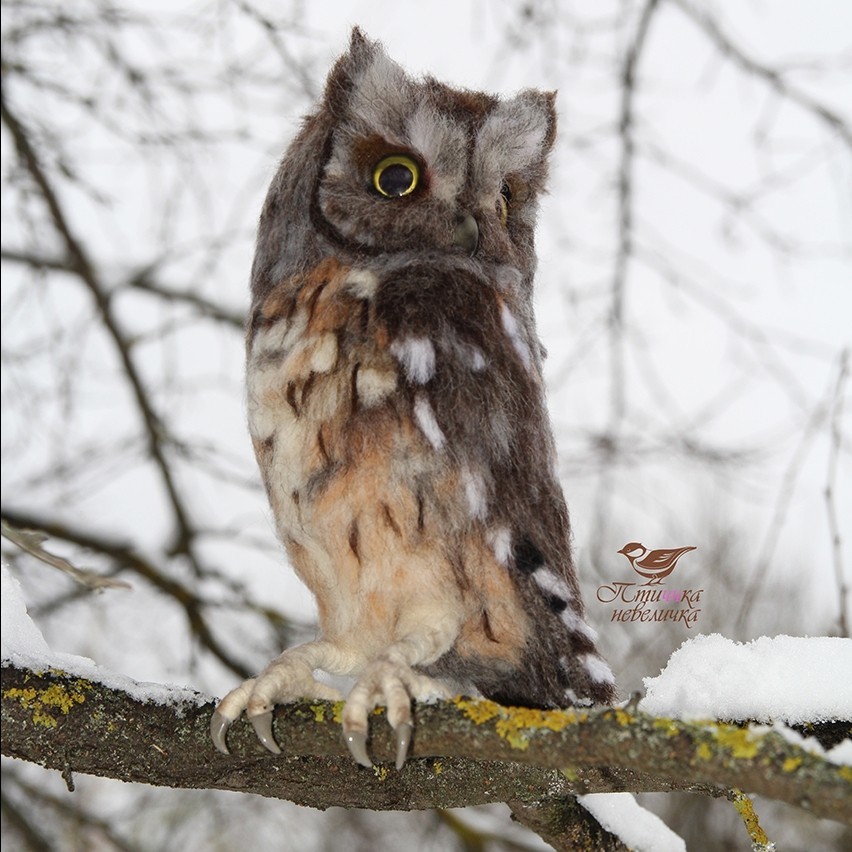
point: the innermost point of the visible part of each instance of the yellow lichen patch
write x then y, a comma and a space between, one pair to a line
668, 726
380, 772
319, 712
746, 810
517, 724
438, 767
737, 740
338, 711
623, 717
516, 735
24, 697
478, 711
845, 772
704, 751
791, 764
45, 704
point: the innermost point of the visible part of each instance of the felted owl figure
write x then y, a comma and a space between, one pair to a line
397, 408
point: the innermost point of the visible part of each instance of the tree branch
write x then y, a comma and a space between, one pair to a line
830, 498
80, 262
772, 77
610, 441
465, 752
205, 307
31, 542
123, 555
141, 281
566, 825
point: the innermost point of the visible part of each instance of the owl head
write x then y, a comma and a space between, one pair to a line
411, 170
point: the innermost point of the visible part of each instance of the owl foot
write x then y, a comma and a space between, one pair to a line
284, 679
392, 683
390, 680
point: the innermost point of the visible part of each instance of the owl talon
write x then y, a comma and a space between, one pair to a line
403, 741
357, 743
262, 725
219, 725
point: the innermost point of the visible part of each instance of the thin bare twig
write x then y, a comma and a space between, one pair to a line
123, 555
609, 442
81, 819
204, 306
625, 184
782, 501
82, 265
30, 541
773, 78
829, 493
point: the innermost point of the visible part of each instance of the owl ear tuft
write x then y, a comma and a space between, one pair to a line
366, 86
358, 40
362, 49
538, 109
350, 68
350, 64
519, 133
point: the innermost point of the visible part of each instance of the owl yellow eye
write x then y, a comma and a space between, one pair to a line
503, 202
396, 176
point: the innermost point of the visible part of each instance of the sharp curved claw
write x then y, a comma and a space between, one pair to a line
403, 741
357, 743
219, 725
262, 725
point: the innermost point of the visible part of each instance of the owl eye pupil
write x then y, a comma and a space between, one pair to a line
396, 180
396, 176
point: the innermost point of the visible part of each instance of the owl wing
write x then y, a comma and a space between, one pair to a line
471, 372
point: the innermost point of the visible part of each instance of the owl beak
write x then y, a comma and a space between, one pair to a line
466, 234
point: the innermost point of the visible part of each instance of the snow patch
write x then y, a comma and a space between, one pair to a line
18, 633
786, 678
841, 754
23, 645
639, 829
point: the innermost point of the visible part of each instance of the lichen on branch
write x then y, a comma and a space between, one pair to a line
465, 751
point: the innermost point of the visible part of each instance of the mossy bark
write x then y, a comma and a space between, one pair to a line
465, 752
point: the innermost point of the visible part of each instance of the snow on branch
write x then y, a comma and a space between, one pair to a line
465, 751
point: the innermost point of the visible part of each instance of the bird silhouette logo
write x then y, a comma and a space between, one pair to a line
652, 564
